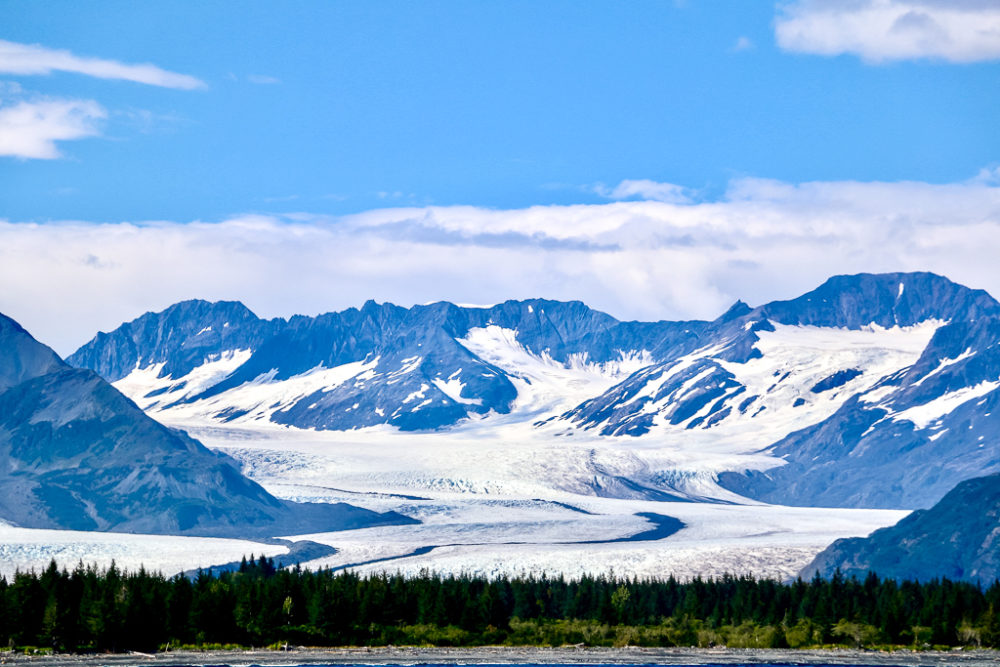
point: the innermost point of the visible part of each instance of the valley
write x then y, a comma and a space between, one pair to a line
545, 437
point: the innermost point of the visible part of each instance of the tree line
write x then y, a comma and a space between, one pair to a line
261, 604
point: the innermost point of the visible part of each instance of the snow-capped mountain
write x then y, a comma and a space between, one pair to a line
958, 538
870, 391
75, 453
425, 367
865, 387
910, 437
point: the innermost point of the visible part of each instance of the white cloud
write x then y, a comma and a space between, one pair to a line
31, 129
34, 59
988, 176
646, 189
634, 259
263, 79
743, 43
960, 31
30, 125
10, 89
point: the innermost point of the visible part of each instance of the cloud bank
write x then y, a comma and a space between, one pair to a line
32, 59
958, 31
637, 259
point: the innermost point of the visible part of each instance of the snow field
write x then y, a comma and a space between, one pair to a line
794, 359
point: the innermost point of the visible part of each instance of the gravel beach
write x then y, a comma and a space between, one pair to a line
515, 655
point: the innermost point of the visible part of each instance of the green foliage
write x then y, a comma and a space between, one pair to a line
858, 634
261, 604
803, 634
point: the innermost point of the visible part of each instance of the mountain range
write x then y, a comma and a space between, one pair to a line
381, 364
870, 391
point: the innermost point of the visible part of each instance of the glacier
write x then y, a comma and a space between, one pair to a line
512, 431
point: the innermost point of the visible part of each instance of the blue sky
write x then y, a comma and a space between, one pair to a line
290, 116
500, 104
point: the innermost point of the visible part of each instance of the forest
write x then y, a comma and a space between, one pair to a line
262, 604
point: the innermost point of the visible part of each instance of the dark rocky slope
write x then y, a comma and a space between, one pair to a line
958, 538
76, 454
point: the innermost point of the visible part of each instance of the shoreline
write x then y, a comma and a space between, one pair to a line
498, 655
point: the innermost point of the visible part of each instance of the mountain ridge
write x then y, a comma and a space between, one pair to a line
387, 333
